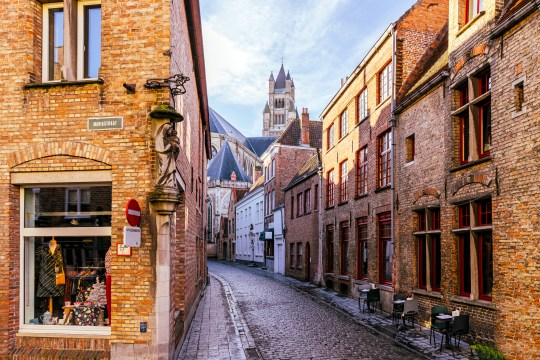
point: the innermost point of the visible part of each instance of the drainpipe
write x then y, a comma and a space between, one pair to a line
320, 277
393, 126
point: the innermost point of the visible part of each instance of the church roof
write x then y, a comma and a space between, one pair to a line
259, 144
271, 78
280, 80
224, 164
266, 108
256, 145
221, 126
288, 76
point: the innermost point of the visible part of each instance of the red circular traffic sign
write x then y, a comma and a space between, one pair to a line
133, 212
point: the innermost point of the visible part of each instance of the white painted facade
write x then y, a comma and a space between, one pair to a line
250, 211
279, 240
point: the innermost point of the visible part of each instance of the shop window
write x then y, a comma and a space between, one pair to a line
384, 143
344, 247
473, 116
361, 171
330, 136
53, 244
475, 247
362, 107
385, 83
343, 181
343, 123
385, 248
429, 248
329, 248
409, 148
330, 189
361, 243
57, 62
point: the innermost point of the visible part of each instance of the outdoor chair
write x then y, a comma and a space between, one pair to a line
410, 311
397, 309
373, 297
460, 326
362, 296
437, 324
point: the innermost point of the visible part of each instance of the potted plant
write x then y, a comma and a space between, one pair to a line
487, 352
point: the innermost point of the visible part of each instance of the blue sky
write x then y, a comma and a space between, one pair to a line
321, 42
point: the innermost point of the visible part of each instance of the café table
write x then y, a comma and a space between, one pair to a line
448, 320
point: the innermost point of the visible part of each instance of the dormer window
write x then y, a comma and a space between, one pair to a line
82, 59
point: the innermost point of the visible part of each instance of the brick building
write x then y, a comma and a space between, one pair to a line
281, 162
464, 190
302, 219
358, 158
82, 136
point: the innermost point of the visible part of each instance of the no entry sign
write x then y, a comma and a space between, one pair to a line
133, 212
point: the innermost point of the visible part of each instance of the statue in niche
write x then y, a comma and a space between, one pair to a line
167, 148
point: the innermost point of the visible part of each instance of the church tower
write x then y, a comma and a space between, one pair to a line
280, 108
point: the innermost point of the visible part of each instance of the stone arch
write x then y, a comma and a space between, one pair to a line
428, 191
68, 148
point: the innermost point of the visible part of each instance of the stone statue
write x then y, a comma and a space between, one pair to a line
167, 148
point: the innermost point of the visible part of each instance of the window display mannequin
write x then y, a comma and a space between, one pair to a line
50, 263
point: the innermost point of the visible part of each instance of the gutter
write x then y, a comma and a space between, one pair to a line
421, 91
393, 124
515, 18
193, 18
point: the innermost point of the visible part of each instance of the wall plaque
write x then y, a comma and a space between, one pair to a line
106, 123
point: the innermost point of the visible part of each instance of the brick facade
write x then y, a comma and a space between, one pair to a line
46, 139
411, 37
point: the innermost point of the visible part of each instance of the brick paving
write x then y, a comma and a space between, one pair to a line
249, 313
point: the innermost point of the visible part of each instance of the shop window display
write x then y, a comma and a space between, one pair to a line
66, 244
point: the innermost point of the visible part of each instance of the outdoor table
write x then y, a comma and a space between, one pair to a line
446, 318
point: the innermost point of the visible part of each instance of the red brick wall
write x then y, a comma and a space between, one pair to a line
56, 116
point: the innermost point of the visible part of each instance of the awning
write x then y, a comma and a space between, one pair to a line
267, 235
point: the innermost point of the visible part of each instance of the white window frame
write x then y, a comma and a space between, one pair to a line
45, 43
363, 105
80, 36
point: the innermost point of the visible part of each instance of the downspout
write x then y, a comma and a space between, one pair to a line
320, 277
393, 125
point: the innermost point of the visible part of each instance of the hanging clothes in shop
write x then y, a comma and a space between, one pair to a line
49, 259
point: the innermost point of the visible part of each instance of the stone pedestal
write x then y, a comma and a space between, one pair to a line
164, 202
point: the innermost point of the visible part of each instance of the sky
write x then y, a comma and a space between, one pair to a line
320, 41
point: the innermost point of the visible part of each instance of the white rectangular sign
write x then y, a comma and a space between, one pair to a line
132, 236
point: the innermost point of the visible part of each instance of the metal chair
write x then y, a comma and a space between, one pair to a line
373, 297
437, 324
397, 309
460, 326
410, 311
362, 296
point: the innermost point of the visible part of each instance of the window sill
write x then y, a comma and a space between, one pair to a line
480, 303
382, 102
469, 24
360, 196
343, 203
327, 274
410, 163
470, 164
432, 294
45, 85
361, 121
60, 331
382, 188
523, 111
329, 207
344, 277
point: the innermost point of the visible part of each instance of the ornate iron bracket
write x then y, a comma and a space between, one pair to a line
175, 84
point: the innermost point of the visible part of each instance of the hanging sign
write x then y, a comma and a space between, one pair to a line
132, 236
133, 212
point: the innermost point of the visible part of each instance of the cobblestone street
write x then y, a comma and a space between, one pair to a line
273, 317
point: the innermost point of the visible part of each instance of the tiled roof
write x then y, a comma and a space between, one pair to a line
292, 134
309, 168
224, 163
221, 126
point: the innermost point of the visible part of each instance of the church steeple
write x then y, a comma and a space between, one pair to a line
280, 108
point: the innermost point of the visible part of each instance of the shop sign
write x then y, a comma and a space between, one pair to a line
133, 212
106, 123
132, 236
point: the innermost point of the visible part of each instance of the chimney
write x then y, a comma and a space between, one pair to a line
257, 173
304, 126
